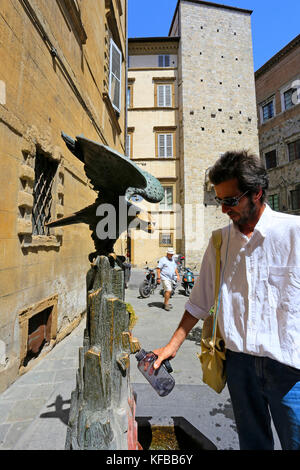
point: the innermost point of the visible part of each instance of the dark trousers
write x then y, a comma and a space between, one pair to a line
261, 388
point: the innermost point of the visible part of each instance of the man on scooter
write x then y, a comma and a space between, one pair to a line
166, 270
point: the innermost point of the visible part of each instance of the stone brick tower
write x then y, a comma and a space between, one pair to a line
217, 107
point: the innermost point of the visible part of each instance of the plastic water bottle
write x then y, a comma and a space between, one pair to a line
160, 379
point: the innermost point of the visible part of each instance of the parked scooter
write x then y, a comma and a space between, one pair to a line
174, 285
180, 261
149, 284
187, 280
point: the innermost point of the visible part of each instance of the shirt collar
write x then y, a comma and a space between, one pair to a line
264, 222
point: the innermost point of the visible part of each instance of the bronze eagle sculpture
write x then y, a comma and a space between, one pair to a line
117, 179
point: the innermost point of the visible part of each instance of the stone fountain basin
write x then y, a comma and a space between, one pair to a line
174, 433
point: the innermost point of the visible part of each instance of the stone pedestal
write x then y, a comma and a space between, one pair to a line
102, 415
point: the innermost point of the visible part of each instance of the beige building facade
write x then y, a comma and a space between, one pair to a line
278, 109
215, 111
56, 75
152, 141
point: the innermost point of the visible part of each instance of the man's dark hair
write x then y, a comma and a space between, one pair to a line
247, 168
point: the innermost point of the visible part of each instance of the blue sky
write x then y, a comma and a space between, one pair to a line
274, 22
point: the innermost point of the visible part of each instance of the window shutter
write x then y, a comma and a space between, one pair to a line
167, 201
161, 145
295, 199
169, 145
163, 201
268, 111
288, 98
160, 60
169, 198
164, 95
160, 95
115, 76
165, 145
294, 150
168, 95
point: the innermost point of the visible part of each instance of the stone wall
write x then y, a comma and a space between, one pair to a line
55, 79
275, 134
217, 108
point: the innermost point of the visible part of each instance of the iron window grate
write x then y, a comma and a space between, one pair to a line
165, 239
45, 170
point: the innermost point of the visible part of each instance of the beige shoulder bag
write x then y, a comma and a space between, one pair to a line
213, 352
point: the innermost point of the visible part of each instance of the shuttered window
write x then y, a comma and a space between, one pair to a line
294, 150
274, 202
271, 160
295, 199
115, 75
164, 95
268, 110
165, 145
167, 202
164, 61
288, 98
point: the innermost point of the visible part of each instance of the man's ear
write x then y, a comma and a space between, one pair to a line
257, 195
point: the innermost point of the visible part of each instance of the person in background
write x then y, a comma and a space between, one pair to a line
259, 310
166, 270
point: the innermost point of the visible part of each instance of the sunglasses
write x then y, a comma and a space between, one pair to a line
230, 201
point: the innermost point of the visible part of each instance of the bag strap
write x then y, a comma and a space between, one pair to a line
217, 242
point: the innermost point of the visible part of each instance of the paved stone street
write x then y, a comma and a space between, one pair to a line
34, 410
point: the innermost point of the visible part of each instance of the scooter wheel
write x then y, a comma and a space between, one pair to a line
187, 291
144, 290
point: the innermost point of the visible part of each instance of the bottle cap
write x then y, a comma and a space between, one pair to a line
140, 354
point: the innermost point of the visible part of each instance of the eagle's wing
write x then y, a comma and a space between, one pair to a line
106, 168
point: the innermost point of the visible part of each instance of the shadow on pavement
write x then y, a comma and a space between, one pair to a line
59, 412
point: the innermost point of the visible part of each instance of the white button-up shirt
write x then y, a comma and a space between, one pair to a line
260, 295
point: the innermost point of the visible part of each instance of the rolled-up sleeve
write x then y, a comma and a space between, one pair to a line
202, 294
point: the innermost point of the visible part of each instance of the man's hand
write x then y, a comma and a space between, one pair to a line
167, 352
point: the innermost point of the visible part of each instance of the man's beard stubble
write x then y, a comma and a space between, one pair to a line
247, 216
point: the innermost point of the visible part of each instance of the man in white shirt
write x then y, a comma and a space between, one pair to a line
259, 313
166, 270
